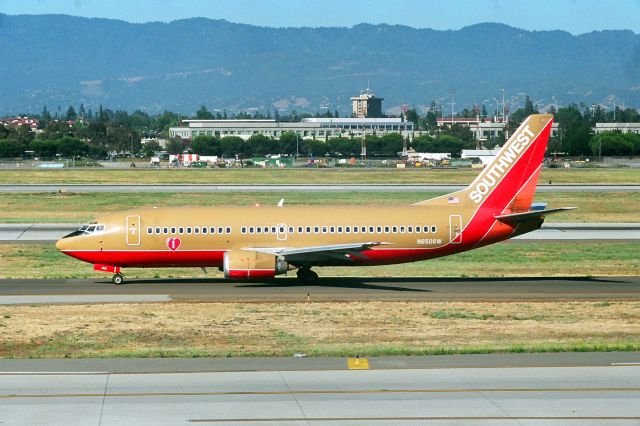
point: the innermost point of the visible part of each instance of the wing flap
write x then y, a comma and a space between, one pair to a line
342, 251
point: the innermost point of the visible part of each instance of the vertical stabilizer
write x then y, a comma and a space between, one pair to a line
508, 183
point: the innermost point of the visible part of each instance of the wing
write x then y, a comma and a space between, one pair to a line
319, 254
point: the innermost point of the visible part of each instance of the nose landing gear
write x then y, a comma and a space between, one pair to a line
118, 279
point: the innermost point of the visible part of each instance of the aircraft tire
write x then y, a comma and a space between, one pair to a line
117, 279
306, 275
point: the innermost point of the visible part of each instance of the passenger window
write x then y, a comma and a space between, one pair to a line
273, 229
258, 229
324, 229
300, 229
364, 229
228, 229
251, 230
332, 229
379, 229
165, 230
347, 229
181, 230
434, 229
425, 229
316, 229
189, 230
204, 229
291, 230
196, 230
243, 229
355, 229
149, 231
158, 230
402, 229
417, 229
308, 229
173, 229
394, 229
409, 228
386, 229
220, 230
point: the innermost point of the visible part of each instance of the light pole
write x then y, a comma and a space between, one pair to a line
502, 105
133, 164
453, 92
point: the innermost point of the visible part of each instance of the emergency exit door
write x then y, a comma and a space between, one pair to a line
455, 228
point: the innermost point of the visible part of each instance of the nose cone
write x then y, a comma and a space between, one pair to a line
63, 244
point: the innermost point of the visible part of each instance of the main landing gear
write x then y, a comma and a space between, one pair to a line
305, 274
117, 279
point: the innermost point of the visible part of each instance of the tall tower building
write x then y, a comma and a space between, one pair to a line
367, 105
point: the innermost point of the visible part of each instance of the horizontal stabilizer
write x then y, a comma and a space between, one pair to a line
527, 216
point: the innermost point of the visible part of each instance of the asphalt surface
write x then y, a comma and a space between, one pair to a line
303, 363
287, 289
83, 188
498, 396
44, 232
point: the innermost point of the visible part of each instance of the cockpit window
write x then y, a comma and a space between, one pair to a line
87, 229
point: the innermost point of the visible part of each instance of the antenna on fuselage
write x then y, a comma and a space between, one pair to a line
281, 202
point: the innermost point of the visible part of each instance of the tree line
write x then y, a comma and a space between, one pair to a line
96, 134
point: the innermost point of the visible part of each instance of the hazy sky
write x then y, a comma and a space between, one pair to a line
575, 16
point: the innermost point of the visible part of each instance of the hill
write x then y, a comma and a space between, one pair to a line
60, 60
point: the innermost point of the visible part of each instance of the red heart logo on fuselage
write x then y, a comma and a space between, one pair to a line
173, 243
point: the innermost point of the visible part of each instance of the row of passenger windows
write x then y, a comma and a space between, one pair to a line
189, 230
402, 229
410, 229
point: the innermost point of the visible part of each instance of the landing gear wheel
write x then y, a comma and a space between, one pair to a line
117, 279
306, 275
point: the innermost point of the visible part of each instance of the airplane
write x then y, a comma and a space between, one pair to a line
261, 242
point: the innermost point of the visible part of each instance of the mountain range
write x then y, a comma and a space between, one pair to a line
59, 60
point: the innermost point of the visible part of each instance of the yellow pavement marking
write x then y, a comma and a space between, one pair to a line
357, 363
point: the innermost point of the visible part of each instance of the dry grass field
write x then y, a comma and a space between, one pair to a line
316, 329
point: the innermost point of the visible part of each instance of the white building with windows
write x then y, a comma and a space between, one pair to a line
483, 129
308, 128
616, 127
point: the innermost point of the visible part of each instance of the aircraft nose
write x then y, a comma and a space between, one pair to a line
61, 244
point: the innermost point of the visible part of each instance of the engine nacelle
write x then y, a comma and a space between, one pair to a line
252, 265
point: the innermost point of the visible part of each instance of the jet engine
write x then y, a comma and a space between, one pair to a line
252, 265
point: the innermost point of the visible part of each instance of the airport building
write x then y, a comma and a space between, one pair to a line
616, 127
483, 129
308, 128
367, 105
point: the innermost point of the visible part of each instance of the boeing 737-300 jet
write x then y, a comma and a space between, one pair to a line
256, 243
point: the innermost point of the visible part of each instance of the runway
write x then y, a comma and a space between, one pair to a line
49, 232
287, 289
182, 188
497, 396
